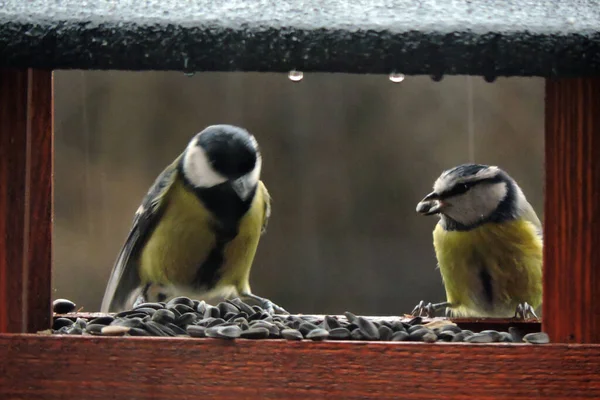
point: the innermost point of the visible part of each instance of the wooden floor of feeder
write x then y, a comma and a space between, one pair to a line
90, 367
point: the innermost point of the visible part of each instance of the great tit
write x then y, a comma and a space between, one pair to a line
198, 227
488, 244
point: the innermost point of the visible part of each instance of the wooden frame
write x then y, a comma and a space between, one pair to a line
39, 365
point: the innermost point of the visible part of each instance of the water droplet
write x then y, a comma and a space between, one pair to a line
571, 20
489, 78
295, 76
396, 77
437, 77
189, 74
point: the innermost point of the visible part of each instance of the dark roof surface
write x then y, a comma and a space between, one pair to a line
478, 37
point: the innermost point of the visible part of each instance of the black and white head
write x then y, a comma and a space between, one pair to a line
223, 154
469, 195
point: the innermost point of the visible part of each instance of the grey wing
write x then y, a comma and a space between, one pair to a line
267, 207
125, 277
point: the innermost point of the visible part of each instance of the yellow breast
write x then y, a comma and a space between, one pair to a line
510, 256
183, 239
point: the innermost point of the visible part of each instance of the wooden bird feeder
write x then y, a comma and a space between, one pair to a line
557, 40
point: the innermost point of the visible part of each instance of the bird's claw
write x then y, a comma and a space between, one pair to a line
525, 310
267, 304
428, 310
273, 308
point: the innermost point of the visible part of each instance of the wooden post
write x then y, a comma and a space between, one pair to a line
571, 309
26, 172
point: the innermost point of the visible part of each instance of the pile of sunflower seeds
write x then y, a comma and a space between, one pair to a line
234, 319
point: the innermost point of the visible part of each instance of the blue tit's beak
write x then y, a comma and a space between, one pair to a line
242, 187
431, 204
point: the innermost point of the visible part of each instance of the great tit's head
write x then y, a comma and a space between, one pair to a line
470, 194
223, 154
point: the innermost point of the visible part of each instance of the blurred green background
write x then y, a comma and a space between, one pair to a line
345, 157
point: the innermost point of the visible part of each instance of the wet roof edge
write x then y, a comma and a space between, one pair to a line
478, 37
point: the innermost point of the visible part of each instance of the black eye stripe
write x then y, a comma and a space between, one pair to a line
461, 188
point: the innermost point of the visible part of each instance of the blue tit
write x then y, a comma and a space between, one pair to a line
488, 244
198, 227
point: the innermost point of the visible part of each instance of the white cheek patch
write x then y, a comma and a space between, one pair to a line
198, 170
476, 204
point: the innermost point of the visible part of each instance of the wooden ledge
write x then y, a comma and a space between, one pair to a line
59, 367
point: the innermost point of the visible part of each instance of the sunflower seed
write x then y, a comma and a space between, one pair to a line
356, 334
368, 329
196, 331
224, 332
186, 319
446, 336
63, 306
115, 330
74, 330
129, 322
306, 327
385, 333
215, 322
331, 322
291, 334
399, 336
516, 334
212, 312
397, 326
155, 306
60, 322
480, 338
94, 328
225, 308
242, 306
146, 310
81, 323
450, 328
201, 307
339, 334
137, 332
350, 317
496, 336
537, 338
178, 330
255, 333
129, 314
429, 337
154, 329
419, 334
180, 300
163, 316
317, 334
102, 320
182, 308
64, 330
460, 337
414, 328
506, 337
258, 309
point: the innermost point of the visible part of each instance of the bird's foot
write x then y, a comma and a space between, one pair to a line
142, 296
139, 300
429, 309
267, 304
524, 311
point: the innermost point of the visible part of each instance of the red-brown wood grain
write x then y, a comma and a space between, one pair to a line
571, 307
25, 199
41, 195
53, 367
